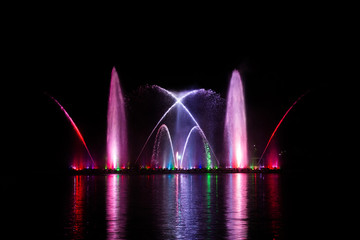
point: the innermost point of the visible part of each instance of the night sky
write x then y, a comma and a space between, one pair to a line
72, 60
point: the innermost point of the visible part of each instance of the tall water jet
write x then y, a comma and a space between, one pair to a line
117, 149
235, 124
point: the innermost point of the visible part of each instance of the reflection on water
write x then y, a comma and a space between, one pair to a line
197, 206
76, 217
116, 187
175, 206
236, 207
263, 206
274, 204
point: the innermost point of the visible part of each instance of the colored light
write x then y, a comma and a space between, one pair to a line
208, 155
206, 146
281, 120
235, 124
74, 126
178, 101
164, 115
155, 156
117, 151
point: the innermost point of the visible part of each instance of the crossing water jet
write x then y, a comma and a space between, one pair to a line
164, 115
191, 116
178, 100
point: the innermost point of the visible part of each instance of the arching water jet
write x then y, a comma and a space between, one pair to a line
191, 116
155, 162
278, 125
209, 163
164, 115
74, 126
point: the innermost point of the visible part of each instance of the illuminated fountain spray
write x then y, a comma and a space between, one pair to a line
209, 163
178, 100
277, 126
235, 124
175, 160
117, 149
76, 130
167, 161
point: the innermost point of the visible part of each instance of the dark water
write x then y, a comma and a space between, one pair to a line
172, 206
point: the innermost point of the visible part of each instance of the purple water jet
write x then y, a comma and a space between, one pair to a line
235, 124
117, 149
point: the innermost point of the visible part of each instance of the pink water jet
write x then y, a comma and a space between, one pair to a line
117, 149
235, 124
277, 126
76, 130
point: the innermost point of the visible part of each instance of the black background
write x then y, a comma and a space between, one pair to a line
69, 53
280, 51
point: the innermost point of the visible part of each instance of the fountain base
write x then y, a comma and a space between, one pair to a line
170, 171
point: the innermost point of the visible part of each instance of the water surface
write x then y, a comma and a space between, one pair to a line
171, 206
174, 206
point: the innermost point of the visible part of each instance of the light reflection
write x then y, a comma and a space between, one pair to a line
274, 204
188, 221
265, 206
177, 206
76, 223
236, 206
116, 206
197, 206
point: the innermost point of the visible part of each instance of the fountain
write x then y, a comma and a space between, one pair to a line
117, 149
205, 156
272, 159
168, 159
183, 144
235, 137
178, 100
278, 125
76, 164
